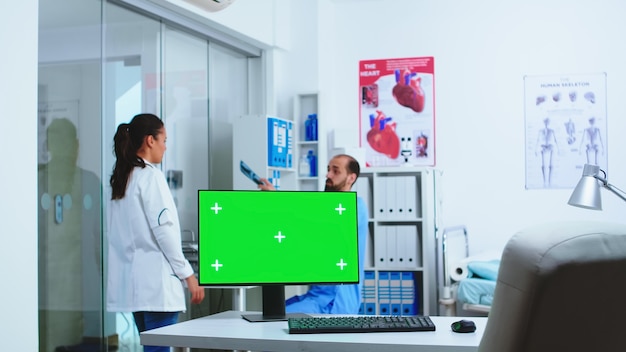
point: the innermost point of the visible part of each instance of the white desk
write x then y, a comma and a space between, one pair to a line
228, 331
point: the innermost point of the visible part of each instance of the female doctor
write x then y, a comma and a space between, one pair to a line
146, 261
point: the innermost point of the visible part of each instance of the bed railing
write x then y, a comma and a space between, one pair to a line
447, 299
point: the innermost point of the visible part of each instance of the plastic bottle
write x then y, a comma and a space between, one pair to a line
307, 128
304, 168
312, 159
313, 127
310, 128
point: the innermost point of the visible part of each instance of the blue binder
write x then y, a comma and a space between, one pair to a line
395, 292
272, 137
409, 297
290, 138
282, 143
369, 293
384, 297
276, 142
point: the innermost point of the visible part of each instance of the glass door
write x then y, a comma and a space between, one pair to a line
186, 116
69, 177
100, 64
131, 69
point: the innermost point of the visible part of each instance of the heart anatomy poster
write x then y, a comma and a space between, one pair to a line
566, 128
397, 111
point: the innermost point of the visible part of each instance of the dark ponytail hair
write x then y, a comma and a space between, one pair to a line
127, 140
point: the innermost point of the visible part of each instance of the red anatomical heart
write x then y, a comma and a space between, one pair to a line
382, 136
408, 91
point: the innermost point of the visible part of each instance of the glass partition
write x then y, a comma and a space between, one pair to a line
132, 85
100, 64
186, 112
70, 182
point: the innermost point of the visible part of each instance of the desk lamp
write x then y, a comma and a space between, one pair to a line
587, 191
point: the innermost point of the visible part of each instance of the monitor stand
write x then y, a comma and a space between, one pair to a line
273, 306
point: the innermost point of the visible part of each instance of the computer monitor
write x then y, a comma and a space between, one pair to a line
273, 239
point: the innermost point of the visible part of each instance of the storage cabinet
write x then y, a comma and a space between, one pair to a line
400, 262
264, 143
304, 105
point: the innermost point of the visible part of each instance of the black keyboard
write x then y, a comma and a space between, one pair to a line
360, 323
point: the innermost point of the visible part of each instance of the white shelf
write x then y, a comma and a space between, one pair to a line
305, 104
308, 143
304, 179
409, 224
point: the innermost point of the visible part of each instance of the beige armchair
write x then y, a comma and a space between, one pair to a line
561, 287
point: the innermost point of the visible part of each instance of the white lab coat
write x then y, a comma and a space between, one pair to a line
146, 262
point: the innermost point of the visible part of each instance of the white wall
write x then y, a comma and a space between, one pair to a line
482, 51
18, 176
296, 69
255, 21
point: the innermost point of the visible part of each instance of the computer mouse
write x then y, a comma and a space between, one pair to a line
463, 326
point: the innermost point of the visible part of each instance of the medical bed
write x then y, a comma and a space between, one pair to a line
468, 282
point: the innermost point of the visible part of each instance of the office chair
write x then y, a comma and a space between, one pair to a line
560, 287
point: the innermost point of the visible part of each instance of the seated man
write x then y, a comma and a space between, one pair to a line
343, 170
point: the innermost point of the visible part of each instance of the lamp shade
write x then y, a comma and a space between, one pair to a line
587, 191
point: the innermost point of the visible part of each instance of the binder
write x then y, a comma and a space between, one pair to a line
282, 143
384, 301
363, 190
407, 243
369, 293
275, 179
401, 198
380, 197
273, 155
392, 248
409, 295
401, 245
395, 292
413, 246
277, 142
271, 140
391, 196
380, 247
410, 197
290, 138
277, 185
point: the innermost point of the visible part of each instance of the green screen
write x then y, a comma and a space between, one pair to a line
283, 237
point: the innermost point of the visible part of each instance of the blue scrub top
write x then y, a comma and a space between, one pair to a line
336, 299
